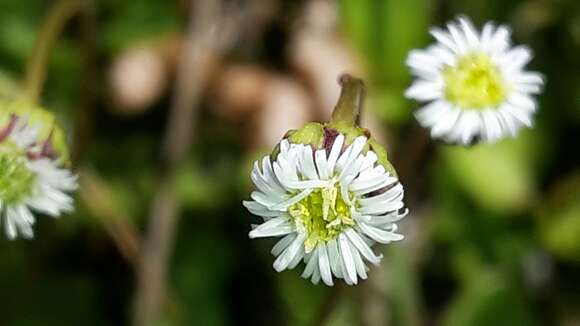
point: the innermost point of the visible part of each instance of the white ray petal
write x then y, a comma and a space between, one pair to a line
311, 265
359, 265
444, 38
324, 265
288, 255
335, 258
322, 164
379, 235
287, 203
425, 90
346, 254
307, 163
486, 34
335, 152
282, 244
445, 123
470, 33
432, 112
458, 38
362, 247
274, 227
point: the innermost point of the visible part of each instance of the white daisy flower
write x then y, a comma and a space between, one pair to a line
30, 180
475, 84
329, 205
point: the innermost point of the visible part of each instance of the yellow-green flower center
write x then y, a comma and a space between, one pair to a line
474, 83
16, 180
323, 215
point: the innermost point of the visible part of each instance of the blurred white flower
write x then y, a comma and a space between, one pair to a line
31, 179
475, 84
329, 205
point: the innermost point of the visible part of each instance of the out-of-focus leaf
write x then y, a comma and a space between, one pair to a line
9, 86
499, 177
17, 36
302, 299
154, 18
395, 42
389, 104
406, 305
203, 261
488, 300
359, 25
375, 29
559, 219
196, 186
344, 313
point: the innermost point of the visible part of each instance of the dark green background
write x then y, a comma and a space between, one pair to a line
493, 234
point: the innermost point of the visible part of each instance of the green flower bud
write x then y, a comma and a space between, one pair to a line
50, 139
345, 120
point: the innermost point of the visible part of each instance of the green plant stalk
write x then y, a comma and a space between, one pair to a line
50, 29
349, 106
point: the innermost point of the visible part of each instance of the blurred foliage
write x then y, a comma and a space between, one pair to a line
494, 233
375, 29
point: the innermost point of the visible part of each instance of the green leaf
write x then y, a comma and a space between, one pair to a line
559, 219
499, 177
488, 300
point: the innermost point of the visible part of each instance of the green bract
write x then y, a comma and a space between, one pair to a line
37, 117
16, 180
344, 121
314, 134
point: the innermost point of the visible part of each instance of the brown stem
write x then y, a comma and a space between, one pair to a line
199, 47
99, 201
50, 29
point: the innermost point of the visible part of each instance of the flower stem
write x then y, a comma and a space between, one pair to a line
153, 273
349, 106
50, 29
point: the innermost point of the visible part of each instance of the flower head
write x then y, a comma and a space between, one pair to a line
32, 178
475, 84
329, 192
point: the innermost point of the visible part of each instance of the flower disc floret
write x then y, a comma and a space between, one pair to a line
16, 179
323, 215
474, 82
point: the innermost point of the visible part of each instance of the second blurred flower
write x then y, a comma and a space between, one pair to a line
32, 173
475, 82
